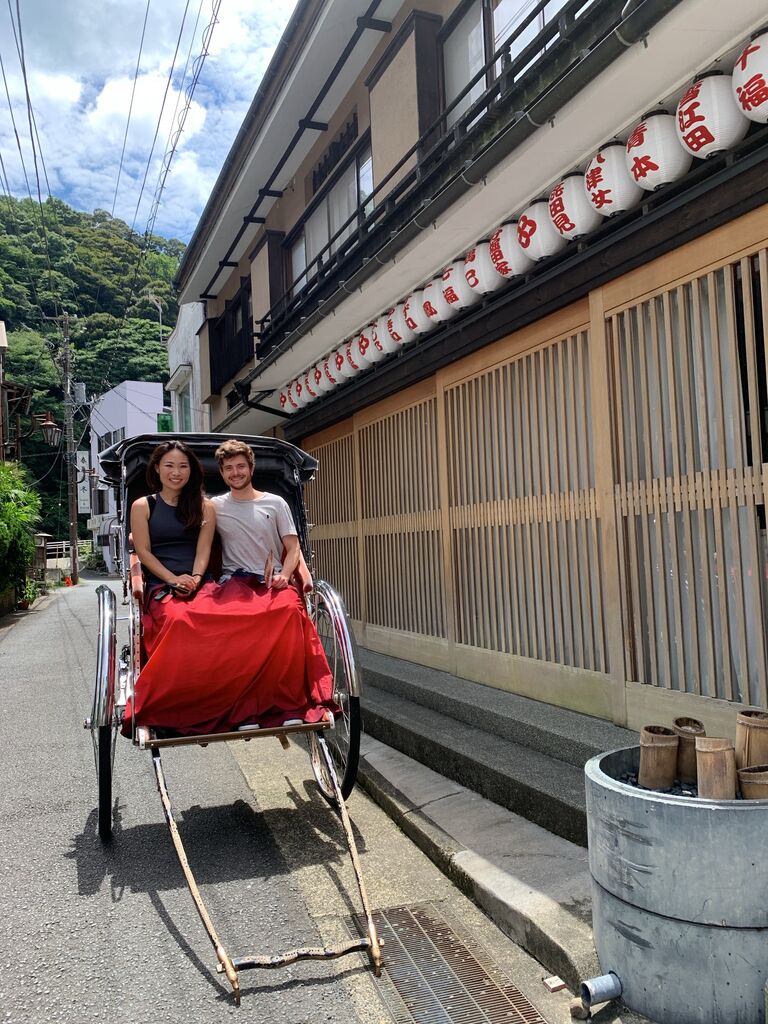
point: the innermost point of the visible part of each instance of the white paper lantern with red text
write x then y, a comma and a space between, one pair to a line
536, 234
299, 393
608, 185
374, 350
354, 358
570, 210
309, 386
433, 302
292, 405
415, 317
653, 153
322, 384
479, 272
383, 335
508, 259
344, 368
359, 346
750, 79
332, 375
397, 328
708, 118
456, 289
285, 405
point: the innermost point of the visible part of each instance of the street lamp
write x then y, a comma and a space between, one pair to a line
50, 429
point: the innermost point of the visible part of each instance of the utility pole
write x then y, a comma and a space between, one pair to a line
69, 442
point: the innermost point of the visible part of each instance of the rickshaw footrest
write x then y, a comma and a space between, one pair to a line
245, 963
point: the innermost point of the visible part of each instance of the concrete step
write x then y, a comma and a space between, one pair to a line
555, 732
541, 788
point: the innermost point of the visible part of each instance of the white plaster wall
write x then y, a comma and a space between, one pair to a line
184, 348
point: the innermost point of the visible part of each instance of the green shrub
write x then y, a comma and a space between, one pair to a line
19, 513
30, 591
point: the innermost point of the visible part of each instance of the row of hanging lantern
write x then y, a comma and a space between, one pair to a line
712, 115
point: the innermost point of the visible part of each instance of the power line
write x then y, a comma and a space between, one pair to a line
130, 106
160, 115
34, 121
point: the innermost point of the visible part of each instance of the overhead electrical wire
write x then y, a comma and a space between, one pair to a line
130, 106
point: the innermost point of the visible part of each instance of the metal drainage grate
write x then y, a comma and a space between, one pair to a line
441, 979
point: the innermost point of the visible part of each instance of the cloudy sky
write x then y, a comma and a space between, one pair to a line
80, 57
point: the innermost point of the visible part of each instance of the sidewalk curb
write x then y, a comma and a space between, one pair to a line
446, 853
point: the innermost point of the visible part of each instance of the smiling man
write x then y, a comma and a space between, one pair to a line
256, 527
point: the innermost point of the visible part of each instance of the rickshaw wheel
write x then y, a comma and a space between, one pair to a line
343, 740
105, 781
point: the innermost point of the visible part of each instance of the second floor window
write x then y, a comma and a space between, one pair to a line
329, 218
478, 33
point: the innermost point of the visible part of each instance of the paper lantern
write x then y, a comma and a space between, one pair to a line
309, 386
536, 234
344, 368
359, 346
507, 257
374, 350
329, 369
570, 210
292, 405
354, 358
708, 118
456, 289
383, 337
750, 79
322, 384
479, 271
433, 302
397, 328
653, 153
415, 317
608, 185
302, 399
285, 405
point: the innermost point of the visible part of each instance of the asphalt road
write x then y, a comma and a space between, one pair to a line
109, 933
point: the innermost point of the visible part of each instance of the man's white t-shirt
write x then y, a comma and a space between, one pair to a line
252, 530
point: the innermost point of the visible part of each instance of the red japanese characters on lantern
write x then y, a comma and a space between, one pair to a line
415, 317
569, 208
374, 351
479, 270
653, 154
285, 405
383, 335
750, 79
343, 366
536, 234
708, 118
329, 369
433, 302
309, 386
608, 185
358, 347
292, 404
299, 394
322, 384
353, 356
397, 327
456, 289
508, 258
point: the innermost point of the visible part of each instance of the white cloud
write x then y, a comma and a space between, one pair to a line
81, 60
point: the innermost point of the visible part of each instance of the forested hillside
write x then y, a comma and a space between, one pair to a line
90, 265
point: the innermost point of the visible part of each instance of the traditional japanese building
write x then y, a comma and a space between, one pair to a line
503, 268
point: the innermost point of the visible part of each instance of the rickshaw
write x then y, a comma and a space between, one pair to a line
333, 744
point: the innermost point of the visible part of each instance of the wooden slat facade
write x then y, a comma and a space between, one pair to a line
579, 509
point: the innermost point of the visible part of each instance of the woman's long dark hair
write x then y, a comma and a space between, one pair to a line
190, 507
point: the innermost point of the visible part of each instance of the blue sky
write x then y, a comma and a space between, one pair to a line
81, 56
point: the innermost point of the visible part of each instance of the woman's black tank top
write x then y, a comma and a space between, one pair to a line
172, 543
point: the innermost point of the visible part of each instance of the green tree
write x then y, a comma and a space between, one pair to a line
19, 512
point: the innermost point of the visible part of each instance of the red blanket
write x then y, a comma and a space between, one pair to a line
230, 655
